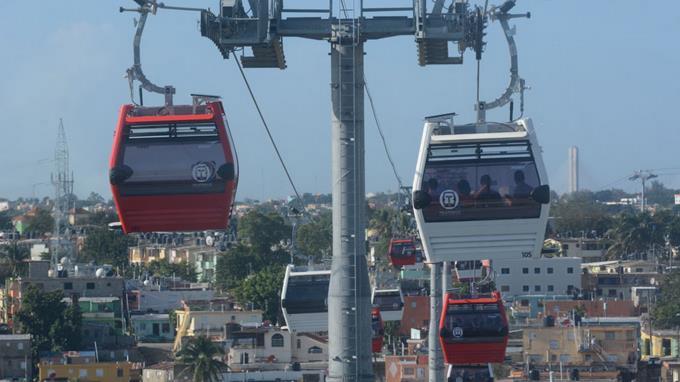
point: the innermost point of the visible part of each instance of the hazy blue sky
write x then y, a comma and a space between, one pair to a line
605, 75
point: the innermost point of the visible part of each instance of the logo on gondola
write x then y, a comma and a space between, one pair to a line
203, 172
449, 199
457, 332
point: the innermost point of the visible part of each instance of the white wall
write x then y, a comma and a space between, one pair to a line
545, 276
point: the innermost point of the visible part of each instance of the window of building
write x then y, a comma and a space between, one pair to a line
315, 350
554, 344
165, 328
505, 288
89, 286
570, 289
409, 371
537, 288
611, 293
551, 288
68, 286
525, 270
565, 358
82, 373
550, 270
20, 346
537, 270
99, 372
525, 288
553, 357
505, 271
277, 340
299, 343
609, 335
570, 270
666, 346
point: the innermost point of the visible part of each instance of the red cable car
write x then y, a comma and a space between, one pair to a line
173, 168
473, 329
378, 329
402, 252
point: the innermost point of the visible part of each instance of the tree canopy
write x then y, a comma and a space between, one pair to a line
203, 359
315, 238
666, 311
106, 247
53, 325
42, 221
183, 270
263, 290
580, 212
263, 231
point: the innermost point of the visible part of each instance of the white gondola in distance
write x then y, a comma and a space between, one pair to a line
304, 299
390, 302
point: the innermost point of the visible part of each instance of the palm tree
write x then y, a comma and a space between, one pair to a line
203, 359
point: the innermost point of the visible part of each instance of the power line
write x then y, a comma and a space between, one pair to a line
269, 134
382, 136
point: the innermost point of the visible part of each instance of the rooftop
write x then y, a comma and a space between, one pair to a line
14, 337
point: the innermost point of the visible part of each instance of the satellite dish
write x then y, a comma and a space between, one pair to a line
101, 272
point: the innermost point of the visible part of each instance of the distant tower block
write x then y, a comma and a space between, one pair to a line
573, 169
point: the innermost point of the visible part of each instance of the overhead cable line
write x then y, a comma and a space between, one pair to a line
269, 134
382, 135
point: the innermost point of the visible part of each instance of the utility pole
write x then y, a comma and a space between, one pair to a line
436, 359
643, 176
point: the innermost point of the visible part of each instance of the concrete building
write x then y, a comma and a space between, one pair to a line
70, 286
83, 366
166, 372
157, 300
587, 308
152, 328
586, 248
661, 343
614, 280
543, 276
416, 314
103, 323
16, 360
608, 344
406, 368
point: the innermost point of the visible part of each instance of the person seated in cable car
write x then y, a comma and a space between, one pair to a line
465, 193
522, 190
486, 196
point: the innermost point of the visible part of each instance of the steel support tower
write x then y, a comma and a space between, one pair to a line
262, 29
62, 180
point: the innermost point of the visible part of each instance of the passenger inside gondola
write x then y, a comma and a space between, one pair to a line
486, 196
465, 322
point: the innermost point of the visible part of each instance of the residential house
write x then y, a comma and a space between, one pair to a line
659, 343
83, 366
406, 368
416, 314
615, 279
16, 359
166, 372
152, 328
588, 249
542, 276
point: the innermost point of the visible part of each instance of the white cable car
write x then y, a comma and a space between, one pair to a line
304, 299
471, 270
390, 302
480, 190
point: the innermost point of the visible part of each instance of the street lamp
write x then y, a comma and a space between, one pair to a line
643, 176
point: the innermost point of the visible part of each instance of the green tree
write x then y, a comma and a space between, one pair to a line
106, 247
668, 303
580, 212
635, 233
183, 270
657, 193
42, 221
234, 266
5, 221
12, 258
263, 290
53, 325
102, 218
203, 359
95, 198
263, 231
315, 238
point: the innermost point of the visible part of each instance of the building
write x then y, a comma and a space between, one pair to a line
661, 343
543, 276
166, 372
16, 360
598, 308
603, 343
152, 328
588, 249
156, 299
74, 368
406, 368
211, 323
416, 314
71, 286
103, 323
615, 279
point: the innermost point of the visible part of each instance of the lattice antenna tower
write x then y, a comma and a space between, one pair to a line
62, 180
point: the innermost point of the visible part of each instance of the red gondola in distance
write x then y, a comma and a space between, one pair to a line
473, 329
402, 252
378, 330
173, 168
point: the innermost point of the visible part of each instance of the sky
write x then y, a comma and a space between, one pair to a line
604, 76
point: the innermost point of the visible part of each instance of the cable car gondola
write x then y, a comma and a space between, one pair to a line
473, 329
378, 329
470, 373
304, 299
471, 270
390, 302
402, 252
480, 191
173, 168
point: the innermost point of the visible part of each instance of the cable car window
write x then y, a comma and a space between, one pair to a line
403, 249
306, 294
173, 159
480, 181
388, 302
466, 321
377, 327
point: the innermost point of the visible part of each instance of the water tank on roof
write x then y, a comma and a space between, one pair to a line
101, 272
